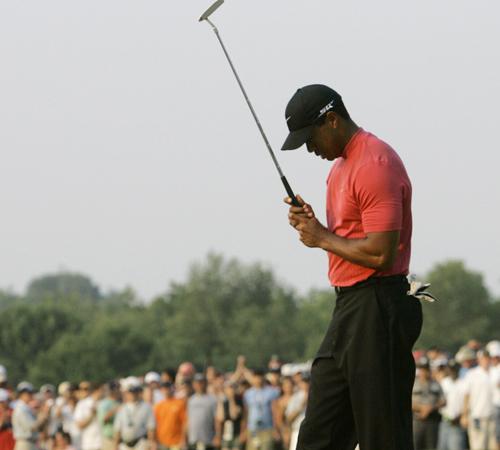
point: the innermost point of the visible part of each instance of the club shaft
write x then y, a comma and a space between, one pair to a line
240, 84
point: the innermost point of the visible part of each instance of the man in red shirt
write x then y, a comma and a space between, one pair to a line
364, 371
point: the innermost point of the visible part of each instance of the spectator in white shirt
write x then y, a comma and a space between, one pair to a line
494, 349
85, 417
479, 410
451, 435
152, 393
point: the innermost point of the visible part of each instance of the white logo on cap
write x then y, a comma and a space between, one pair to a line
326, 108
288, 118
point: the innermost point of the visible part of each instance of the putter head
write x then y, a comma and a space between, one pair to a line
211, 10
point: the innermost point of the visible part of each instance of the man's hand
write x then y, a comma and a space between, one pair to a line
303, 219
424, 411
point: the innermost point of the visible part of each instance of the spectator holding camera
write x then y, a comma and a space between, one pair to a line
134, 424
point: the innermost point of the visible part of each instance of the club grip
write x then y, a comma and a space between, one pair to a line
289, 191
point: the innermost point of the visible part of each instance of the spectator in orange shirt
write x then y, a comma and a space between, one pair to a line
171, 415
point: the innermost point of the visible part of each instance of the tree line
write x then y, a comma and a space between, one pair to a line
65, 328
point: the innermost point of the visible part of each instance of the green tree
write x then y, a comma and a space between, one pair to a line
108, 347
28, 330
62, 286
224, 309
463, 310
315, 313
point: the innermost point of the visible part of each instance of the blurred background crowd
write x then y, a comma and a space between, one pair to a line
456, 405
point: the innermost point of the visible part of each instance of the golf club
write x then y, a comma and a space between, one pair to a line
205, 16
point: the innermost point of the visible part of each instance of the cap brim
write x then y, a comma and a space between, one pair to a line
297, 138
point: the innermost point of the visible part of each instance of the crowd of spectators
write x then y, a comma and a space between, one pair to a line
455, 402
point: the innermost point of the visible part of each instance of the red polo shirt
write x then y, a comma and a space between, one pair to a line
368, 190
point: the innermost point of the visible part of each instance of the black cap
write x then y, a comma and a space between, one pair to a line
306, 106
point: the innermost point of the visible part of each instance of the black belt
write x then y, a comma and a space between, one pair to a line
390, 279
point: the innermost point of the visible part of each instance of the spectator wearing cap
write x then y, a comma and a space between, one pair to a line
427, 399
258, 401
479, 410
230, 416
25, 424
85, 416
152, 392
201, 432
451, 435
6, 437
171, 418
466, 357
134, 425
296, 409
106, 413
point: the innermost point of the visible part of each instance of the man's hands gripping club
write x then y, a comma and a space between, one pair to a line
375, 251
303, 219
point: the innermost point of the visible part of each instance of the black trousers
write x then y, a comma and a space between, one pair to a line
362, 377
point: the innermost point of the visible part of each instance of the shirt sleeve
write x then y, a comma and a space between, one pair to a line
379, 192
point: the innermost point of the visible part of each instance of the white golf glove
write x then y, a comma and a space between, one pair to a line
418, 289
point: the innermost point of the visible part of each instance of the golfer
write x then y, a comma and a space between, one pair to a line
363, 374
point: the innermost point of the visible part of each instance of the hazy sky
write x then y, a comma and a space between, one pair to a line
127, 151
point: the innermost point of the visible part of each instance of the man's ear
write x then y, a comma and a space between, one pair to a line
332, 118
